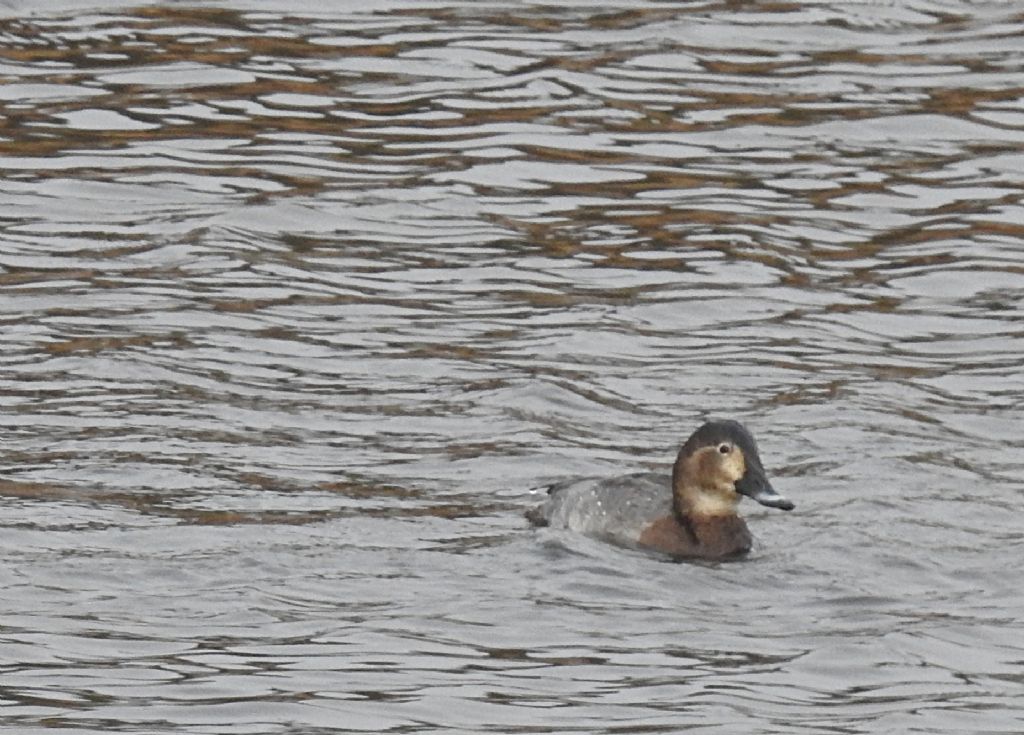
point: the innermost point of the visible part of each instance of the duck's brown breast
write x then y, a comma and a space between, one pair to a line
706, 537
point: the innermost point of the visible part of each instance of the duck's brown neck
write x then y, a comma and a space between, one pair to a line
715, 529
717, 536
678, 495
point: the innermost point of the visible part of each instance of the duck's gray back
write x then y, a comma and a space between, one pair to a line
617, 508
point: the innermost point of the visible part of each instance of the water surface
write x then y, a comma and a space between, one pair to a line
301, 305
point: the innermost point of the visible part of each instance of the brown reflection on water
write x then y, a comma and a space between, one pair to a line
164, 504
302, 307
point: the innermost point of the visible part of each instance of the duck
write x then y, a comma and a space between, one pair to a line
692, 515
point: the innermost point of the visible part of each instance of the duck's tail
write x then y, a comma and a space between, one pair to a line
535, 515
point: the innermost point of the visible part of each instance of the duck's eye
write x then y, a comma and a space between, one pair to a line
724, 448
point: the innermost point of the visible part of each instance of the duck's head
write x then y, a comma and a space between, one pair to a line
716, 465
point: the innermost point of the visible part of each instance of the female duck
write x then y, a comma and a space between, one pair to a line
697, 519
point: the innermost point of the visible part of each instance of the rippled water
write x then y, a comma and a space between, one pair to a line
300, 305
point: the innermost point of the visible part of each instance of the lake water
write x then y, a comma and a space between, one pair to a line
301, 303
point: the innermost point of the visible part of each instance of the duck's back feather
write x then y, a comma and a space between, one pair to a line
617, 509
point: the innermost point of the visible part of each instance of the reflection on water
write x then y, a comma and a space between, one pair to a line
299, 304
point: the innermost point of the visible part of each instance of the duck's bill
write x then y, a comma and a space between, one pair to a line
755, 485
773, 500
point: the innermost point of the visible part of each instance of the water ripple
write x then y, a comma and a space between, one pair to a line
302, 304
